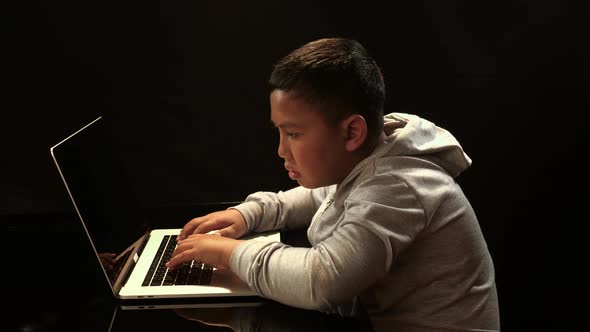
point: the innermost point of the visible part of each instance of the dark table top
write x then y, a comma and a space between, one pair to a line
54, 284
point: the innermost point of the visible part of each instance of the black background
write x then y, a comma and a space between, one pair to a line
185, 85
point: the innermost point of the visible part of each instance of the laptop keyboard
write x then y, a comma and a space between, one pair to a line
190, 273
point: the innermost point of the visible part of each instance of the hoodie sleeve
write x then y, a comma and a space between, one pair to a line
331, 274
291, 209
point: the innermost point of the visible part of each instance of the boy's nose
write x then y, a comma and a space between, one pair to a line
282, 150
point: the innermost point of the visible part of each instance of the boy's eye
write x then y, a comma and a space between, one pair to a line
292, 135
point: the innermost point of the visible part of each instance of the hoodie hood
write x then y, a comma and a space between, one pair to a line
411, 135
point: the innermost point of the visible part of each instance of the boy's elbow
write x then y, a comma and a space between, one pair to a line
327, 293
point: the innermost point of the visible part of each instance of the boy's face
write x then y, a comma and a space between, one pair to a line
314, 153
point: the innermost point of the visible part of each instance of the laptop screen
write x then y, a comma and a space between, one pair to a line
101, 192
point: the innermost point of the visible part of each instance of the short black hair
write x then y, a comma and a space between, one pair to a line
337, 73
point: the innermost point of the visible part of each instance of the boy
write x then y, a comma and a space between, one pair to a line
391, 231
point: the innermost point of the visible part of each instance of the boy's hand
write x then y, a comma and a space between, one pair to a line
228, 223
211, 249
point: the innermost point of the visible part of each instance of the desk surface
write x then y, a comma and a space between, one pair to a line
42, 300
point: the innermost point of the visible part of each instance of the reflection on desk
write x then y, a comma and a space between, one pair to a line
263, 316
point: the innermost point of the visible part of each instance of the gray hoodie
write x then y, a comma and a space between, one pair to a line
397, 237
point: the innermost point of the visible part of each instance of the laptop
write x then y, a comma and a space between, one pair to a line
130, 252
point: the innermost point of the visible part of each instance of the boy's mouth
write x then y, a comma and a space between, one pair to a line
293, 174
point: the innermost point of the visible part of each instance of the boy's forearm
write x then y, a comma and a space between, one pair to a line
227, 251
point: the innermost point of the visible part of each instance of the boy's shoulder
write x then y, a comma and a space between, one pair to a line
391, 170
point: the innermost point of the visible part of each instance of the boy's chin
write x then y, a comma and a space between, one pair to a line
306, 184
310, 185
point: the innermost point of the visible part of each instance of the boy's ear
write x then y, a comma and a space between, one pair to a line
355, 131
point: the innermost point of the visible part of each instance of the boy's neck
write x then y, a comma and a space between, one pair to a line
367, 149
361, 154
